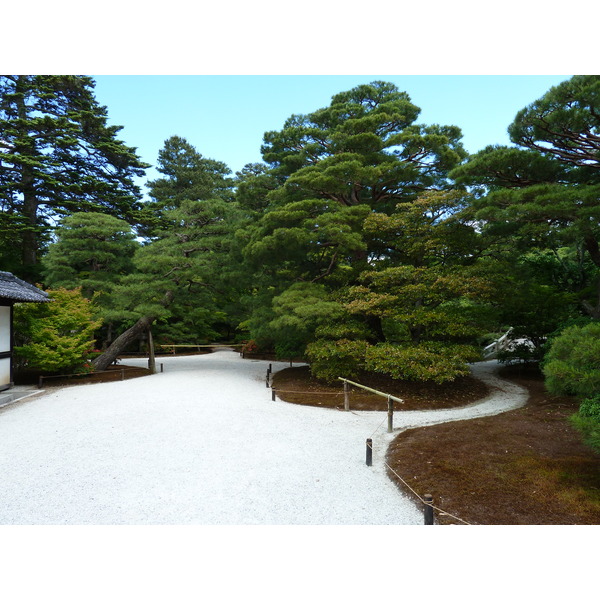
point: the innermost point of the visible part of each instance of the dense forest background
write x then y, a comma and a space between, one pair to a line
365, 240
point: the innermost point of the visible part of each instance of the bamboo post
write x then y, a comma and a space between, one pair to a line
390, 415
346, 396
369, 452
428, 509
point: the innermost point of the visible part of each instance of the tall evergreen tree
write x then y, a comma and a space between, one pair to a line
363, 153
546, 192
178, 271
94, 252
58, 155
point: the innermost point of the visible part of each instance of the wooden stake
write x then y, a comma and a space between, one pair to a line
151, 357
346, 396
390, 415
369, 452
428, 509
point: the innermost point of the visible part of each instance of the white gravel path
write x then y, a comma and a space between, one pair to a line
202, 443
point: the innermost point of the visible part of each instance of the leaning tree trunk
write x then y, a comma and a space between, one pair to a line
113, 351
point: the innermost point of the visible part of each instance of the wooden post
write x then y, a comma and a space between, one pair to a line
346, 396
162, 367
428, 509
40, 382
369, 452
267, 379
273, 394
390, 415
151, 357
122, 374
270, 367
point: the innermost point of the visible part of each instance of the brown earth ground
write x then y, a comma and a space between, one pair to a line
296, 385
112, 373
526, 466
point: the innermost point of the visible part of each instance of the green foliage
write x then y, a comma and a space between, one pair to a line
92, 251
177, 275
59, 156
55, 337
294, 316
545, 194
330, 359
564, 123
572, 364
426, 361
187, 177
423, 286
178, 279
309, 240
590, 408
332, 172
587, 421
364, 148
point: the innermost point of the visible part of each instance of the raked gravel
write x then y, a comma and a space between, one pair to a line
202, 443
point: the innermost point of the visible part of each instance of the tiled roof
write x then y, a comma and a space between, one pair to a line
13, 288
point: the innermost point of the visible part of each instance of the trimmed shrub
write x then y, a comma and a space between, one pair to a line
572, 364
587, 421
330, 359
427, 361
55, 337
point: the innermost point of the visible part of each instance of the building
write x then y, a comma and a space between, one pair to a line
12, 289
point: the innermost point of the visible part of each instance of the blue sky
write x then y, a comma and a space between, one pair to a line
225, 116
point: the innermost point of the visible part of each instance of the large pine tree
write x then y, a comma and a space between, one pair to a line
178, 271
58, 155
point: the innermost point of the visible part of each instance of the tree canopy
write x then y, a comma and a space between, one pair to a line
364, 241
58, 155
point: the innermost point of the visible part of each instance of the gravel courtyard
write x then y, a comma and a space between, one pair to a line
202, 443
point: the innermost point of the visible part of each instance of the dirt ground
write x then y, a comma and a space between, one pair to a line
527, 466
112, 373
295, 385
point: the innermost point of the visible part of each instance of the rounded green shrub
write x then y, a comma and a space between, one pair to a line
572, 364
587, 421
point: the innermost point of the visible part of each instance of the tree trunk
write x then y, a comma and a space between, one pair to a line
25, 145
593, 248
113, 351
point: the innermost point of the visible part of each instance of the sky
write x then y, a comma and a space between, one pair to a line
225, 116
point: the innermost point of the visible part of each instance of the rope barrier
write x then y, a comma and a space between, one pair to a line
380, 424
441, 511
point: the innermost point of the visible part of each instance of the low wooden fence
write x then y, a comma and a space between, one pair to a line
427, 499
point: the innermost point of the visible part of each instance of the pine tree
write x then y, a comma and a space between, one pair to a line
58, 155
178, 272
